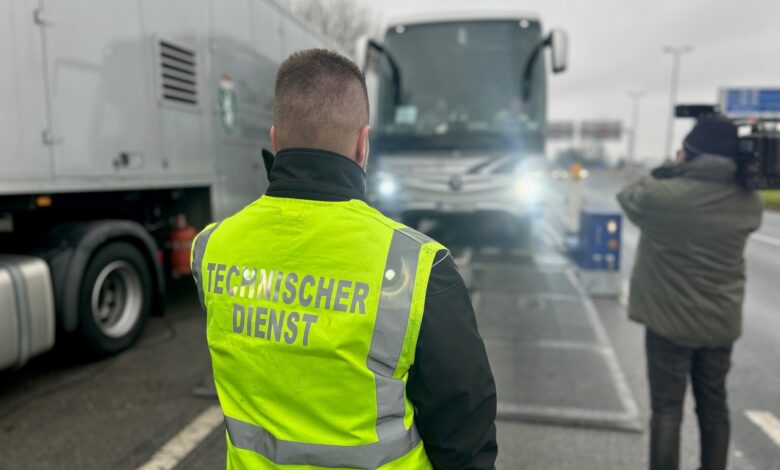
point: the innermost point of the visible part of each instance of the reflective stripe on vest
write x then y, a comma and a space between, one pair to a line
251, 437
387, 343
198, 250
387, 340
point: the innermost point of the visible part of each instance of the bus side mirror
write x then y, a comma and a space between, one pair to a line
559, 49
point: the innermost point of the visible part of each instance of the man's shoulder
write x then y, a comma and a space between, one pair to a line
401, 228
415, 235
220, 226
444, 274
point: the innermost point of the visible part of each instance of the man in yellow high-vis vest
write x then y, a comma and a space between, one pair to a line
339, 338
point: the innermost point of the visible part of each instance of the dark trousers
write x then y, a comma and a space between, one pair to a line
668, 367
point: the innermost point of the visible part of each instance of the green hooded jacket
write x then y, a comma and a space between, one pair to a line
688, 281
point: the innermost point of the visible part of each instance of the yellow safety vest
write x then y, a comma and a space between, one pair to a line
313, 313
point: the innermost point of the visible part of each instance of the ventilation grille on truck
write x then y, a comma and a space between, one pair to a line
178, 74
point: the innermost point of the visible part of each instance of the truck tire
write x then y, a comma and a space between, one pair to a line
114, 298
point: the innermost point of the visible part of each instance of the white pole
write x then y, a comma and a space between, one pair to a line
676, 53
635, 96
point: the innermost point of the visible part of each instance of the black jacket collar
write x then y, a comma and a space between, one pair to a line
304, 173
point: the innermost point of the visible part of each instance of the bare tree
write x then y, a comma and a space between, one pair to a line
343, 21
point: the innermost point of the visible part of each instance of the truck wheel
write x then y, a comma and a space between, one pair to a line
114, 298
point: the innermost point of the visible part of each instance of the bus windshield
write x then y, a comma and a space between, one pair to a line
461, 86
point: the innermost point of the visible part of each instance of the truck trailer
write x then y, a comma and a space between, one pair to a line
124, 124
459, 105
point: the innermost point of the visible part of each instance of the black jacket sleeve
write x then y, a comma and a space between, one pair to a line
450, 384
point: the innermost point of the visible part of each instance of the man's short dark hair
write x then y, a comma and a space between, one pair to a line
320, 101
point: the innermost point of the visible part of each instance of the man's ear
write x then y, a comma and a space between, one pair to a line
274, 143
361, 149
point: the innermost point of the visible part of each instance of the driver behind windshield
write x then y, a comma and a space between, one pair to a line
436, 120
515, 117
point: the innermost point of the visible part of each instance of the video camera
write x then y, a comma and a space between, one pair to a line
758, 149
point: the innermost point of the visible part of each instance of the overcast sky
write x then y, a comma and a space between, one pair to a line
615, 46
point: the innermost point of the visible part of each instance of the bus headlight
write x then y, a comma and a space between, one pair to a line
529, 189
387, 187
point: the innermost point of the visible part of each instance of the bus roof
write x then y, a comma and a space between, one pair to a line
448, 16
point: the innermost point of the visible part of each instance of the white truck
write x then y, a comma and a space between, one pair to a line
459, 105
121, 120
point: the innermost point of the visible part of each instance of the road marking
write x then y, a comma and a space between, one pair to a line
557, 238
618, 379
625, 289
188, 439
766, 239
767, 422
559, 214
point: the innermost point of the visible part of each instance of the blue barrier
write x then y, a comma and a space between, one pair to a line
600, 240
596, 251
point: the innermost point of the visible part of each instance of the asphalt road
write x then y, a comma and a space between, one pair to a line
62, 412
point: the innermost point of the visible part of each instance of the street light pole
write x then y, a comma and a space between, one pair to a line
635, 96
676, 53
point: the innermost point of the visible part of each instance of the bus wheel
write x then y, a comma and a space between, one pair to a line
114, 298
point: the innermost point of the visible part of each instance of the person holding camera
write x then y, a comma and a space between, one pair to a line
688, 285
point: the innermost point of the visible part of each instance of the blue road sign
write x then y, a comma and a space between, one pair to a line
750, 102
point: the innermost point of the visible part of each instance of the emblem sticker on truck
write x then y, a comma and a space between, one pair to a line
228, 104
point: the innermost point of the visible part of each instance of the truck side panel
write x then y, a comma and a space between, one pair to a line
297, 37
246, 51
182, 127
96, 66
22, 98
124, 95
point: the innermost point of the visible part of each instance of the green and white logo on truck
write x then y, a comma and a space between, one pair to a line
228, 104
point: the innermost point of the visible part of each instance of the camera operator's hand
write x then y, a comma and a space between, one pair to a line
665, 171
669, 168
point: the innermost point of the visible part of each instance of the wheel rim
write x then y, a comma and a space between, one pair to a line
117, 299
